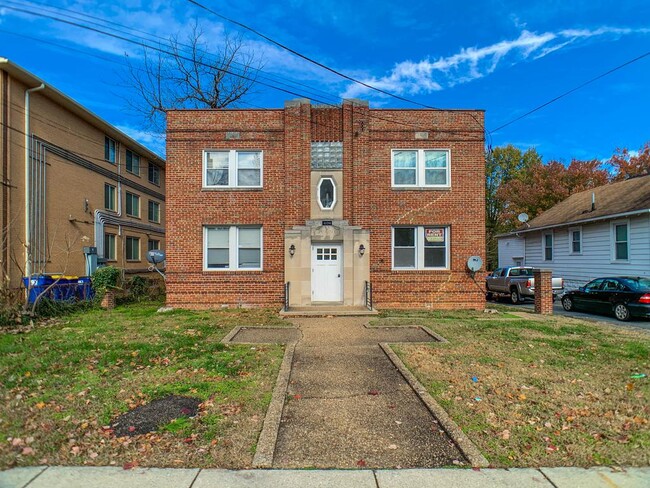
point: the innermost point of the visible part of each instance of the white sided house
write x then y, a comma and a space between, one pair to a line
594, 233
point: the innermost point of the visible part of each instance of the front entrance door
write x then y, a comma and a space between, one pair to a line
326, 273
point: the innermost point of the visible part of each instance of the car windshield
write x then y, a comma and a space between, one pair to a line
639, 284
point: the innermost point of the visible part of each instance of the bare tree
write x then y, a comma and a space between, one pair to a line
191, 75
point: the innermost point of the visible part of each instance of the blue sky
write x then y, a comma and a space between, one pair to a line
502, 56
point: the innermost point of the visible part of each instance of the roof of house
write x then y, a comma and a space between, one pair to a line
76, 108
618, 199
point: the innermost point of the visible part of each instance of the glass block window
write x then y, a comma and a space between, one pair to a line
326, 155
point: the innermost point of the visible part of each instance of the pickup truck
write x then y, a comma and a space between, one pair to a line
516, 282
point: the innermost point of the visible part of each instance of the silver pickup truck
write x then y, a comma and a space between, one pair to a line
517, 282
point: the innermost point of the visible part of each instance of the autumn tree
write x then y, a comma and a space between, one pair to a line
626, 164
503, 164
189, 73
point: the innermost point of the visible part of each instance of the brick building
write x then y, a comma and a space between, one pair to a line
88, 184
325, 199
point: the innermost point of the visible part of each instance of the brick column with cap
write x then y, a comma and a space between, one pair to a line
543, 291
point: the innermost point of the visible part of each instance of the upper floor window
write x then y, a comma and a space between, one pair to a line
133, 249
621, 241
154, 211
109, 197
109, 149
132, 205
547, 246
154, 174
224, 169
425, 168
420, 247
153, 244
132, 162
109, 247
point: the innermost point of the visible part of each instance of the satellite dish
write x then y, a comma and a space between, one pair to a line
474, 263
523, 218
156, 256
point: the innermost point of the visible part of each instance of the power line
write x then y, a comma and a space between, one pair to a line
582, 85
319, 64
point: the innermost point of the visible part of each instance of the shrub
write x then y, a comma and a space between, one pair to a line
105, 278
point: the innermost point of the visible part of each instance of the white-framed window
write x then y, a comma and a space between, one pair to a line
132, 249
326, 193
420, 247
109, 149
132, 162
132, 205
426, 168
547, 246
575, 240
154, 211
620, 231
109, 197
153, 244
232, 247
232, 169
109, 247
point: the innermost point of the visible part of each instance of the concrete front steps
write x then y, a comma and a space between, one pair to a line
327, 311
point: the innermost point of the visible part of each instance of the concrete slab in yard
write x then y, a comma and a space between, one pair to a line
102, 477
493, 478
598, 477
218, 478
19, 477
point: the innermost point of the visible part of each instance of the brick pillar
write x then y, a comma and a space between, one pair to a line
543, 291
108, 300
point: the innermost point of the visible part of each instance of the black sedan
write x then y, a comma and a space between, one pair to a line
624, 296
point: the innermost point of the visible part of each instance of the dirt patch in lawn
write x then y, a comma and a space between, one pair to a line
557, 392
148, 418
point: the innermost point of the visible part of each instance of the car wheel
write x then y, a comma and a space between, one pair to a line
488, 295
514, 296
567, 303
622, 312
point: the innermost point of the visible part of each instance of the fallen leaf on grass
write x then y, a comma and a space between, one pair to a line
505, 435
131, 465
40, 405
373, 392
27, 451
361, 463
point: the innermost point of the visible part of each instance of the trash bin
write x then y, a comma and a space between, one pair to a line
84, 289
38, 283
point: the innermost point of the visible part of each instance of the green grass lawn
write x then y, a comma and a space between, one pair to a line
61, 385
549, 392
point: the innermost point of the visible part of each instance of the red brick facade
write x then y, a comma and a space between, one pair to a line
369, 201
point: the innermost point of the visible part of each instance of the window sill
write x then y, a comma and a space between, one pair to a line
232, 188
134, 216
420, 188
132, 173
154, 183
421, 270
134, 260
154, 221
234, 271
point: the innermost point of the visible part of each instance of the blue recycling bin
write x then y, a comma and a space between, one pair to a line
39, 283
84, 290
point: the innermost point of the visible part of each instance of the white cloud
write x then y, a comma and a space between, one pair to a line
412, 77
154, 141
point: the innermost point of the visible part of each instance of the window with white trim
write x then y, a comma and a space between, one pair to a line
621, 240
575, 240
326, 193
547, 246
154, 211
132, 162
133, 249
232, 247
132, 205
421, 247
232, 169
153, 244
109, 149
154, 174
425, 168
109, 247
109, 197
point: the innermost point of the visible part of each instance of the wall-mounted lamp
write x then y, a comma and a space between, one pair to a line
362, 250
292, 250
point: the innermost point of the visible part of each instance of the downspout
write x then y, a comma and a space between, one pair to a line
28, 209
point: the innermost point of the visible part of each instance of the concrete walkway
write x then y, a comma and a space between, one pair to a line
105, 477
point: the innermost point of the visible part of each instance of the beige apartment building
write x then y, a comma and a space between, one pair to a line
71, 181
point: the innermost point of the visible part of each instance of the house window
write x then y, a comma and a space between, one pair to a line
575, 238
132, 205
109, 197
133, 249
154, 211
421, 247
547, 244
620, 232
132, 162
153, 244
232, 247
224, 169
109, 247
109, 149
154, 174
326, 194
420, 168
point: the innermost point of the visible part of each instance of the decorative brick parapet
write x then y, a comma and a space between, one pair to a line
543, 291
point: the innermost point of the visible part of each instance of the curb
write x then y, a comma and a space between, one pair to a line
265, 450
466, 446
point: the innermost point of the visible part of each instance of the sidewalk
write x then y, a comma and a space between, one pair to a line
115, 477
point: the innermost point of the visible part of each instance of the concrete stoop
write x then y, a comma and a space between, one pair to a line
328, 311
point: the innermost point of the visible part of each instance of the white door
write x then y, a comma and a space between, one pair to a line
326, 273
